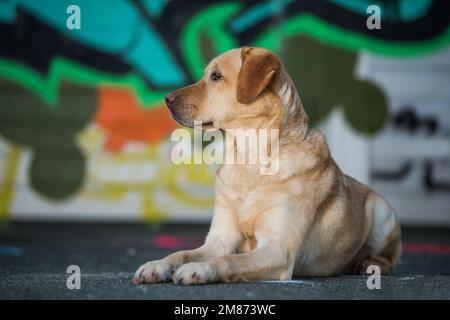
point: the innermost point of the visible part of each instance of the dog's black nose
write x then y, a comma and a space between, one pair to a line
170, 99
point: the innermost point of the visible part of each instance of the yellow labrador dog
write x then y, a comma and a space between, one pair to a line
308, 219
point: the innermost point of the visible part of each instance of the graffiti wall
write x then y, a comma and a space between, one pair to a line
84, 133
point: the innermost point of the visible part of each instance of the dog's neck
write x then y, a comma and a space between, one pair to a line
295, 119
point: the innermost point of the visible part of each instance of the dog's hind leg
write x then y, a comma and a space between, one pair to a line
383, 244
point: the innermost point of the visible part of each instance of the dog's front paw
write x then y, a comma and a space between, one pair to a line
153, 272
195, 273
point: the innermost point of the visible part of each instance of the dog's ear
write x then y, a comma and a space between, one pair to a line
258, 68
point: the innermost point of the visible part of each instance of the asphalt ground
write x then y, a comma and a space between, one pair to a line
34, 258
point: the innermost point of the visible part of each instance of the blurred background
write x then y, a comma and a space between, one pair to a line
85, 136
85, 173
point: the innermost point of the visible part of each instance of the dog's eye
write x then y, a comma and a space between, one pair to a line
215, 76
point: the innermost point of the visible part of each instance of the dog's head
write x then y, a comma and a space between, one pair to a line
232, 89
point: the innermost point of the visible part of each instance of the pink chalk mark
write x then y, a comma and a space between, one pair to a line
175, 242
430, 248
180, 242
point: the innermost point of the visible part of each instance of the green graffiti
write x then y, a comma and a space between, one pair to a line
211, 22
345, 39
324, 73
58, 167
206, 35
324, 78
61, 69
57, 175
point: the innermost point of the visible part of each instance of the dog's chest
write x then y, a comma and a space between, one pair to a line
246, 192
247, 207
247, 219
239, 181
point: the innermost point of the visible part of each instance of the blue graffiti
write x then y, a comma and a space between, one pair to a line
258, 13
111, 26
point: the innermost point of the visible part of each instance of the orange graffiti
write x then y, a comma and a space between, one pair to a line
124, 120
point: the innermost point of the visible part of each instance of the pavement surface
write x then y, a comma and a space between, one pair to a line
34, 258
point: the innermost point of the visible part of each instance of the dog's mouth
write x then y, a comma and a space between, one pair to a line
205, 125
184, 122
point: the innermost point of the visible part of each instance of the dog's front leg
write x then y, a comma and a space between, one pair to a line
223, 239
267, 261
279, 237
